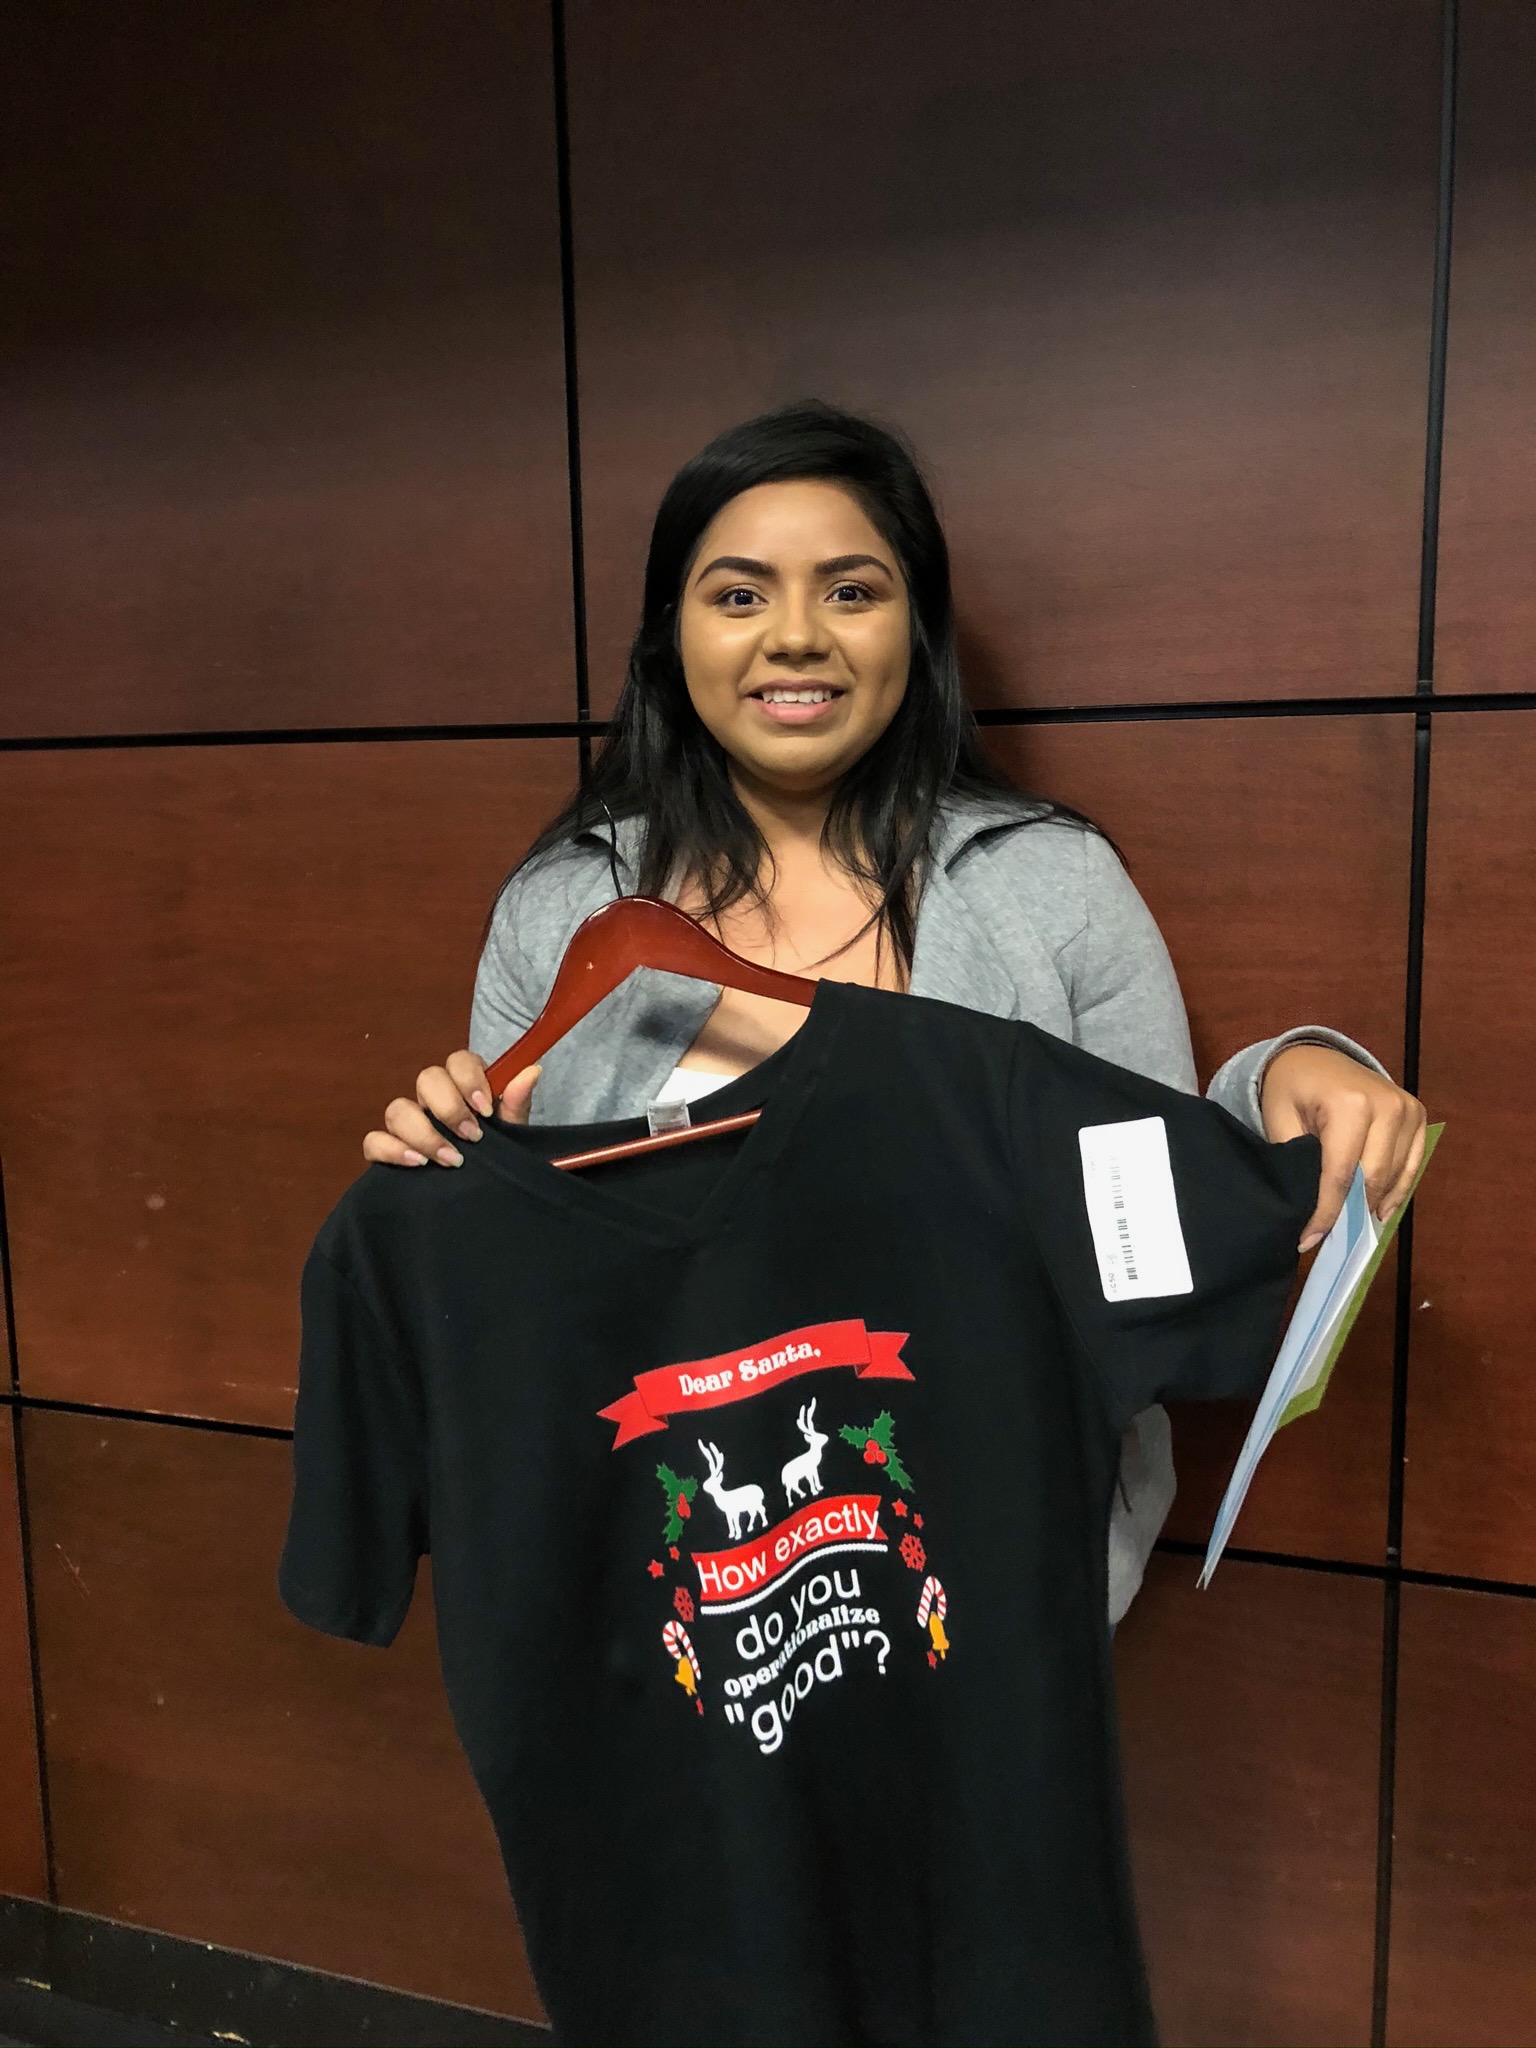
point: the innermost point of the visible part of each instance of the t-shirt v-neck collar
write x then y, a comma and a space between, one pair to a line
781, 1086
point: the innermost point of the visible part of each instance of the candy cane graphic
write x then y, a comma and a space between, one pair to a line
932, 1608
675, 1640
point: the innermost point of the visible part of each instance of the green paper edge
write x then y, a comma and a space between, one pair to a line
1305, 1403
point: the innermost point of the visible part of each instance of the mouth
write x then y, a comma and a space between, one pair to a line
796, 703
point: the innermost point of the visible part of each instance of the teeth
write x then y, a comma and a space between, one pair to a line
797, 696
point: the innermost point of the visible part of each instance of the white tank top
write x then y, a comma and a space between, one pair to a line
684, 1085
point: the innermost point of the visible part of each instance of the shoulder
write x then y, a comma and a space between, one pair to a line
373, 1239
1014, 853
549, 895
957, 1059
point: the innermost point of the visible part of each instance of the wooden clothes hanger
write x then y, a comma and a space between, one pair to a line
639, 931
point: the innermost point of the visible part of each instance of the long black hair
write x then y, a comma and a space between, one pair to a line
661, 765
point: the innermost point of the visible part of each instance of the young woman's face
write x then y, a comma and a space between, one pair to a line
795, 634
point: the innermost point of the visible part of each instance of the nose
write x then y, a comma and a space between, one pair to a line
796, 631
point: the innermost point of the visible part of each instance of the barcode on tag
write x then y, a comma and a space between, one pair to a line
1133, 1212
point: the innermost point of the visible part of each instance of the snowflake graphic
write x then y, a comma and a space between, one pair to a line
682, 1600
913, 1553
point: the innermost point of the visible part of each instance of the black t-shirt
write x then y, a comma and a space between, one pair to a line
766, 1482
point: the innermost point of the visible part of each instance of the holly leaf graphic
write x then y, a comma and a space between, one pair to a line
679, 1492
882, 1433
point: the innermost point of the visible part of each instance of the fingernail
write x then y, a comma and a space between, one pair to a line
1311, 1242
1386, 1210
446, 1156
468, 1129
413, 1159
481, 1101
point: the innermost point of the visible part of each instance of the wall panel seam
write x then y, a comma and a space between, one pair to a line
1413, 1010
1402, 705
24, 1538
562, 109
1439, 335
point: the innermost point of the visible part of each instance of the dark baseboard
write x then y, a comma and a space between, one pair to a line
200, 1993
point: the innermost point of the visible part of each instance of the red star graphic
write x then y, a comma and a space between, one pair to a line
698, 1706
933, 1662
672, 1551
655, 1569
917, 1521
898, 1507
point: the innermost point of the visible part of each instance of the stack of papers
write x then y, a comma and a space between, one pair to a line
1347, 1261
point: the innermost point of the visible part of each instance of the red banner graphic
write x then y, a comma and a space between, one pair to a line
738, 1375
842, 1521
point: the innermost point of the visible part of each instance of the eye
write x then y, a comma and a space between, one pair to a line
738, 598
850, 593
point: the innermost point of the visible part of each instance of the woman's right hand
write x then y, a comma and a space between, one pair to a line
454, 1094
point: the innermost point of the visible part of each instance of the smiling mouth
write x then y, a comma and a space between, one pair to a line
809, 693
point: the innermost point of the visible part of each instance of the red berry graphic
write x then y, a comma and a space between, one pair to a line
683, 1509
873, 1455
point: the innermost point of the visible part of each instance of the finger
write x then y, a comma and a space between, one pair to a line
1397, 1194
383, 1150
1386, 1143
409, 1122
517, 1096
437, 1091
467, 1073
1343, 1140
1385, 1171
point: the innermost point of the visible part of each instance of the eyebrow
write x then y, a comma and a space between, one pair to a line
837, 565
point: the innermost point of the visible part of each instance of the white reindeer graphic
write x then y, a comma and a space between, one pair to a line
805, 1469
732, 1501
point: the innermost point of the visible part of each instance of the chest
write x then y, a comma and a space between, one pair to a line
820, 927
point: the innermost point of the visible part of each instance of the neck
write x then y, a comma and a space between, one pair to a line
790, 820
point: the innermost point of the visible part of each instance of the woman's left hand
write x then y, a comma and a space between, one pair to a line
1360, 1118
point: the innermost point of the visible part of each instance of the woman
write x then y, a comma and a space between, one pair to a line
792, 760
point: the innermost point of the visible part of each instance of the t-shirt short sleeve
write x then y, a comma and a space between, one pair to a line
1168, 1229
358, 1521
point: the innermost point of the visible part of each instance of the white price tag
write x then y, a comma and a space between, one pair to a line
1133, 1211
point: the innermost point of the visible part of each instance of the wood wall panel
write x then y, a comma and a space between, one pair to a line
1274, 855
23, 1863
1463, 1881
281, 367
1471, 1471
220, 1772
1485, 593
219, 965
1150, 287
1249, 1717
